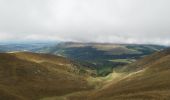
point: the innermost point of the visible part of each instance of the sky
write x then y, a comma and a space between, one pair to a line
112, 21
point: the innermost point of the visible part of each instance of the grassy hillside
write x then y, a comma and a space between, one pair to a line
30, 76
102, 57
146, 79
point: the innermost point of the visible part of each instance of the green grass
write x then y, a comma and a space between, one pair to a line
122, 60
104, 71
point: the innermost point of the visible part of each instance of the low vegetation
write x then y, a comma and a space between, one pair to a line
35, 76
30, 76
102, 57
146, 79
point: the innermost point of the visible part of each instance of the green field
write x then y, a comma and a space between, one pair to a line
102, 57
123, 60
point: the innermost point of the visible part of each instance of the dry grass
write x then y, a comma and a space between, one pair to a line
24, 77
151, 83
28, 80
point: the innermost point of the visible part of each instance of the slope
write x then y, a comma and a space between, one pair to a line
147, 80
102, 57
30, 76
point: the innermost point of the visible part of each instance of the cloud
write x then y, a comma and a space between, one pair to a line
118, 21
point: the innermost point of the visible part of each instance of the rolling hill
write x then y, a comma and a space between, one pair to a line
102, 57
34, 76
146, 79
31, 76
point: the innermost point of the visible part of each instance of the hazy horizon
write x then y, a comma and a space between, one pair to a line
104, 21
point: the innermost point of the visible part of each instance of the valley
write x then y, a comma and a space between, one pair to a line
44, 75
84, 50
148, 80
102, 57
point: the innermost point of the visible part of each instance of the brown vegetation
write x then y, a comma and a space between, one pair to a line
28, 76
147, 80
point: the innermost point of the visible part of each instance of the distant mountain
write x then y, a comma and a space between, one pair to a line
31, 76
10, 47
102, 57
146, 79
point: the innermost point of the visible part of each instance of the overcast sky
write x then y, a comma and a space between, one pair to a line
117, 21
